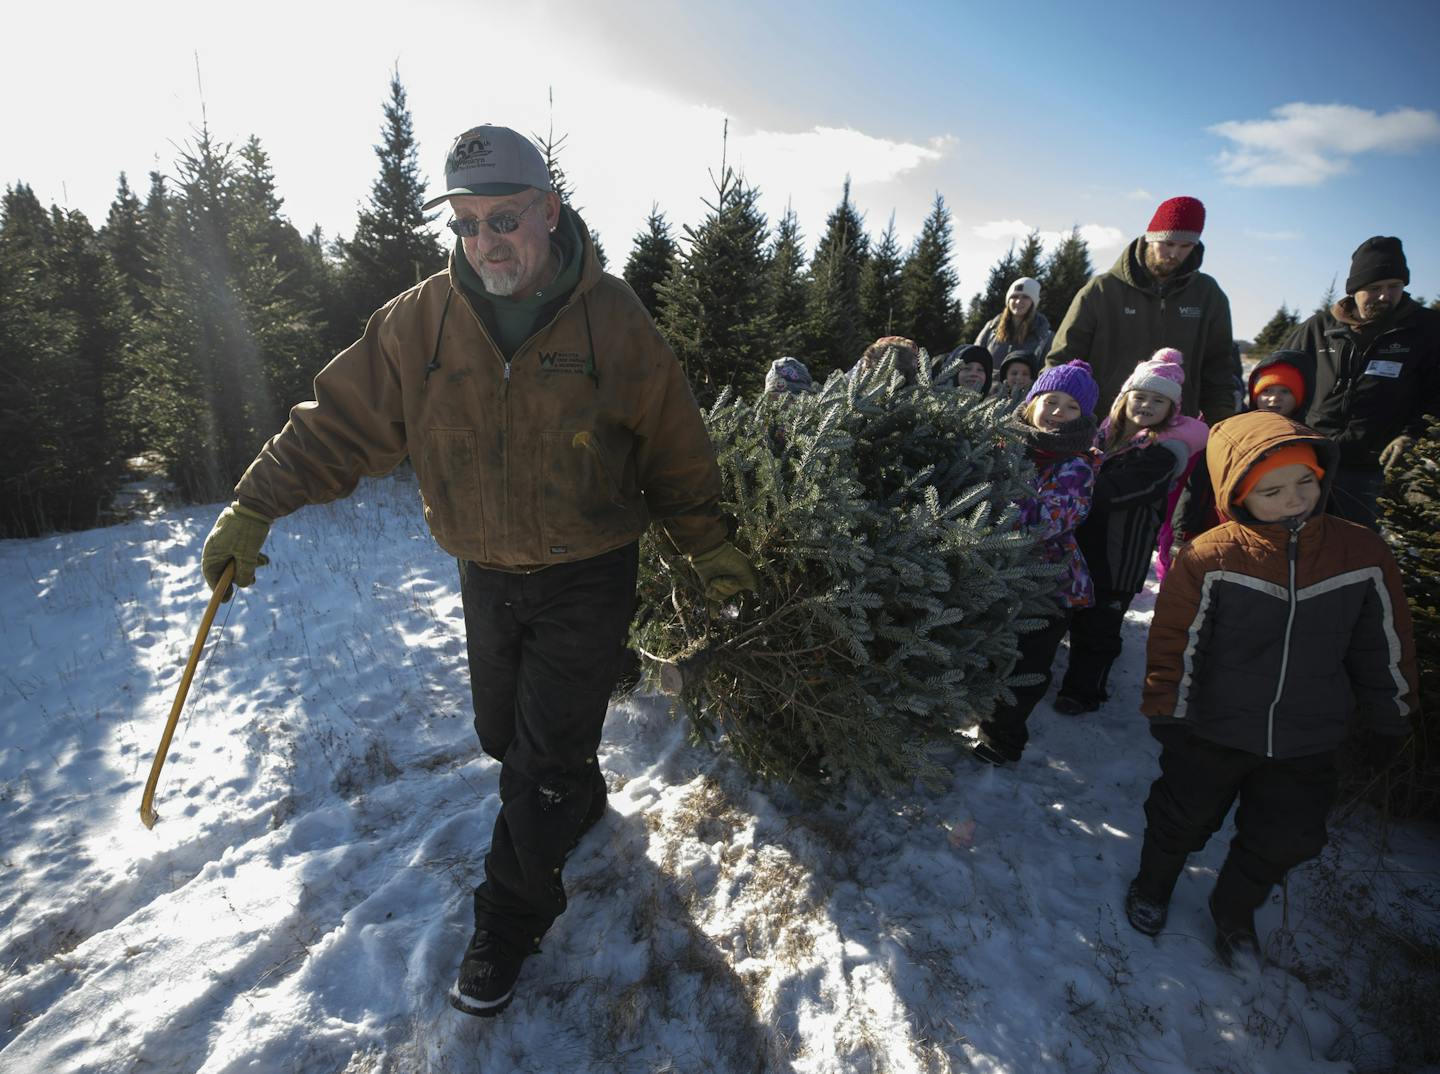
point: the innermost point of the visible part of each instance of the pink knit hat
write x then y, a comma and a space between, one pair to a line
1162, 373
1177, 220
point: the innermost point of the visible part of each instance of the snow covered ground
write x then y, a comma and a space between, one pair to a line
302, 904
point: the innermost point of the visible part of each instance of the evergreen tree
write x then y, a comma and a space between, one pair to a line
651, 259
1275, 332
1328, 299
1411, 526
1067, 270
37, 363
550, 146
836, 328
129, 239
392, 248
786, 284
991, 301
206, 396
928, 307
713, 308
880, 288
1031, 260
892, 583
277, 282
65, 333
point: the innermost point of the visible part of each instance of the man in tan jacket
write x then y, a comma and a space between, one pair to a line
549, 424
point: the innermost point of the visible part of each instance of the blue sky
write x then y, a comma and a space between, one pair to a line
1304, 129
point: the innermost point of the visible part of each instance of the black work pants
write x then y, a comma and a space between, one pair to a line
544, 652
1005, 729
1095, 643
1280, 821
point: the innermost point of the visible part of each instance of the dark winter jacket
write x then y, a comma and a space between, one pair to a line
1271, 638
1372, 382
566, 450
1195, 510
1122, 317
1037, 342
1131, 491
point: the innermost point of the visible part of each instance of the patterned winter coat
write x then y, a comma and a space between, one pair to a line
1273, 638
1063, 488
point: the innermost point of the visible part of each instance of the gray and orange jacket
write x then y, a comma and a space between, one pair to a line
566, 451
1273, 638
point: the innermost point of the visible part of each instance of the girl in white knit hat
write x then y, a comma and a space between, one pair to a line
1147, 444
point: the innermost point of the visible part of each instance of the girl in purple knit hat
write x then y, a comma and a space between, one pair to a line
1056, 424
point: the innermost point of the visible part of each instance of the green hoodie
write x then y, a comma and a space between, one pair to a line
1122, 317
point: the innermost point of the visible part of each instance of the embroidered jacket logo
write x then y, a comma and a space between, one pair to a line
1189, 311
564, 362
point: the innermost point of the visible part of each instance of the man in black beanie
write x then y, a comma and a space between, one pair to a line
1377, 361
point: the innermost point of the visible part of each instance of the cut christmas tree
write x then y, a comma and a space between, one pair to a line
893, 582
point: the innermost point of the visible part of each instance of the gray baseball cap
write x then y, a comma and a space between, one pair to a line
492, 161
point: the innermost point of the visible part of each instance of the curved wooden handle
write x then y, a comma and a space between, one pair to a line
148, 816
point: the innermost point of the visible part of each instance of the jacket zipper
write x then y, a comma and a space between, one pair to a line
1285, 652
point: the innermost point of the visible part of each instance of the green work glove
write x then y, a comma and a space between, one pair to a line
724, 571
238, 534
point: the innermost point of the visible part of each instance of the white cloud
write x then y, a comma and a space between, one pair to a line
1140, 194
792, 156
1003, 229
1306, 144
1096, 236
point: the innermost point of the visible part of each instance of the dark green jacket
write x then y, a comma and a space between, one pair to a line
1123, 316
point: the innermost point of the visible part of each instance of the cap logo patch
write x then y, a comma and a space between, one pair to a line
461, 154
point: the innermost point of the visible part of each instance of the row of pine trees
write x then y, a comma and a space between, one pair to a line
182, 330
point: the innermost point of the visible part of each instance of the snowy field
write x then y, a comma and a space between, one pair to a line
303, 902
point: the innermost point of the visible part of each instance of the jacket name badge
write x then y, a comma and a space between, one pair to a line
1380, 368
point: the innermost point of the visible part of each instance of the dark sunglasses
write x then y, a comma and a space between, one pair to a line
500, 223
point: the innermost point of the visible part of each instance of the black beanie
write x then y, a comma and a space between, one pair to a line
1378, 258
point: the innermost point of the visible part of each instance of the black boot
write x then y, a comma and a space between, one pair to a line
1144, 914
486, 983
1147, 902
1232, 906
1085, 686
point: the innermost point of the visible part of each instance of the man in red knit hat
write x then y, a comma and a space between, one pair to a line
1156, 296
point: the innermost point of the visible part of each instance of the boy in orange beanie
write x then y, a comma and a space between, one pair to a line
1271, 632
